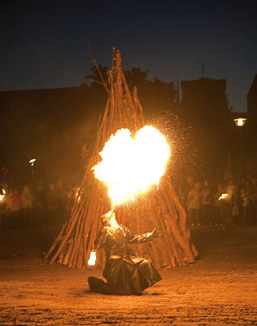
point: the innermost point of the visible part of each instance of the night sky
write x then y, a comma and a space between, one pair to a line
43, 42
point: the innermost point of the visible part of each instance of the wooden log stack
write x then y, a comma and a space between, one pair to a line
158, 208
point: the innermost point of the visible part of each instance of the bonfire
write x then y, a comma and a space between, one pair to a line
126, 173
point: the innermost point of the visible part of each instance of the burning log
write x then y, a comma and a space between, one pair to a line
159, 208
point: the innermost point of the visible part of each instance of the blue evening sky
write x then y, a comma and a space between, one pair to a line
43, 42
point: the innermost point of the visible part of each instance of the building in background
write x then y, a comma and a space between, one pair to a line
205, 108
252, 103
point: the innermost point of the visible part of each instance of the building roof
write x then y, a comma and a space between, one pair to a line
253, 88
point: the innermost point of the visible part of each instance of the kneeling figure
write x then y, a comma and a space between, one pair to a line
125, 273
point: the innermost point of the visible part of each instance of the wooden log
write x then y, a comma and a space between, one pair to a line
66, 237
57, 240
182, 240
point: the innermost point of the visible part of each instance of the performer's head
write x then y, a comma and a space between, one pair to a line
107, 218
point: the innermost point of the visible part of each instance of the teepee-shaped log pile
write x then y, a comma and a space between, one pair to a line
158, 208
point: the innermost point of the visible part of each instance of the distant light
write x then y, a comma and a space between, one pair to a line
240, 121
32, 161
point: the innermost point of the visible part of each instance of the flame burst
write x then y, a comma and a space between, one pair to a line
130, 166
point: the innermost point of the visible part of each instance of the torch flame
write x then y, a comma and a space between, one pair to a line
130, 166
223, 196
92, 258
3, 194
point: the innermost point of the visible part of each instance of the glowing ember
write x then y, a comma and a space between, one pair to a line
130, 166
92, 258
223, 196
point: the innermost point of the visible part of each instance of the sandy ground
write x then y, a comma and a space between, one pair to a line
219, 289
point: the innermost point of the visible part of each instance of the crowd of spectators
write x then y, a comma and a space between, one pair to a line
226, 203
206, 202
44, 205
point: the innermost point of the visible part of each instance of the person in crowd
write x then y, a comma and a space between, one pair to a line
8, 196
219, 212
125, 273
254, 200
189, 185
184, 190
194, 204
180, 190
52, 205
2, 207
248, 177
69, 203
231, 200
26, 203
246, 196
8, 204
227, 177
15, 210
206, 202
16, 201
61, 193
40, 205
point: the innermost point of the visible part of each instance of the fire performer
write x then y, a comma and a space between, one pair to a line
125, 273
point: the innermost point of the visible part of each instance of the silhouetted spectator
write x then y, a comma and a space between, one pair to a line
61, 193
69, 203
2, 207
189, 185
219, 212
230, 201
52, 205
227, 177
40, 205
15, 201
254, 200
27, 203
8, 204
8, 196
249, 177
245, 196
206, 196
194, 204
15, 217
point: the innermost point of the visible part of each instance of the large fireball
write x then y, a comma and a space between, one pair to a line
131, 166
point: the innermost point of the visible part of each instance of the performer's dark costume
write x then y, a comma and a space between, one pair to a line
125, 273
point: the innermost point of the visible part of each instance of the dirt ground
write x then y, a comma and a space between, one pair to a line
219, 289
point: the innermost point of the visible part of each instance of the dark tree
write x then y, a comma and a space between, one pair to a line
99, 74
136, 76
157, 97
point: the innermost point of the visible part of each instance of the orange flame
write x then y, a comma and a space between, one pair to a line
130, 166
